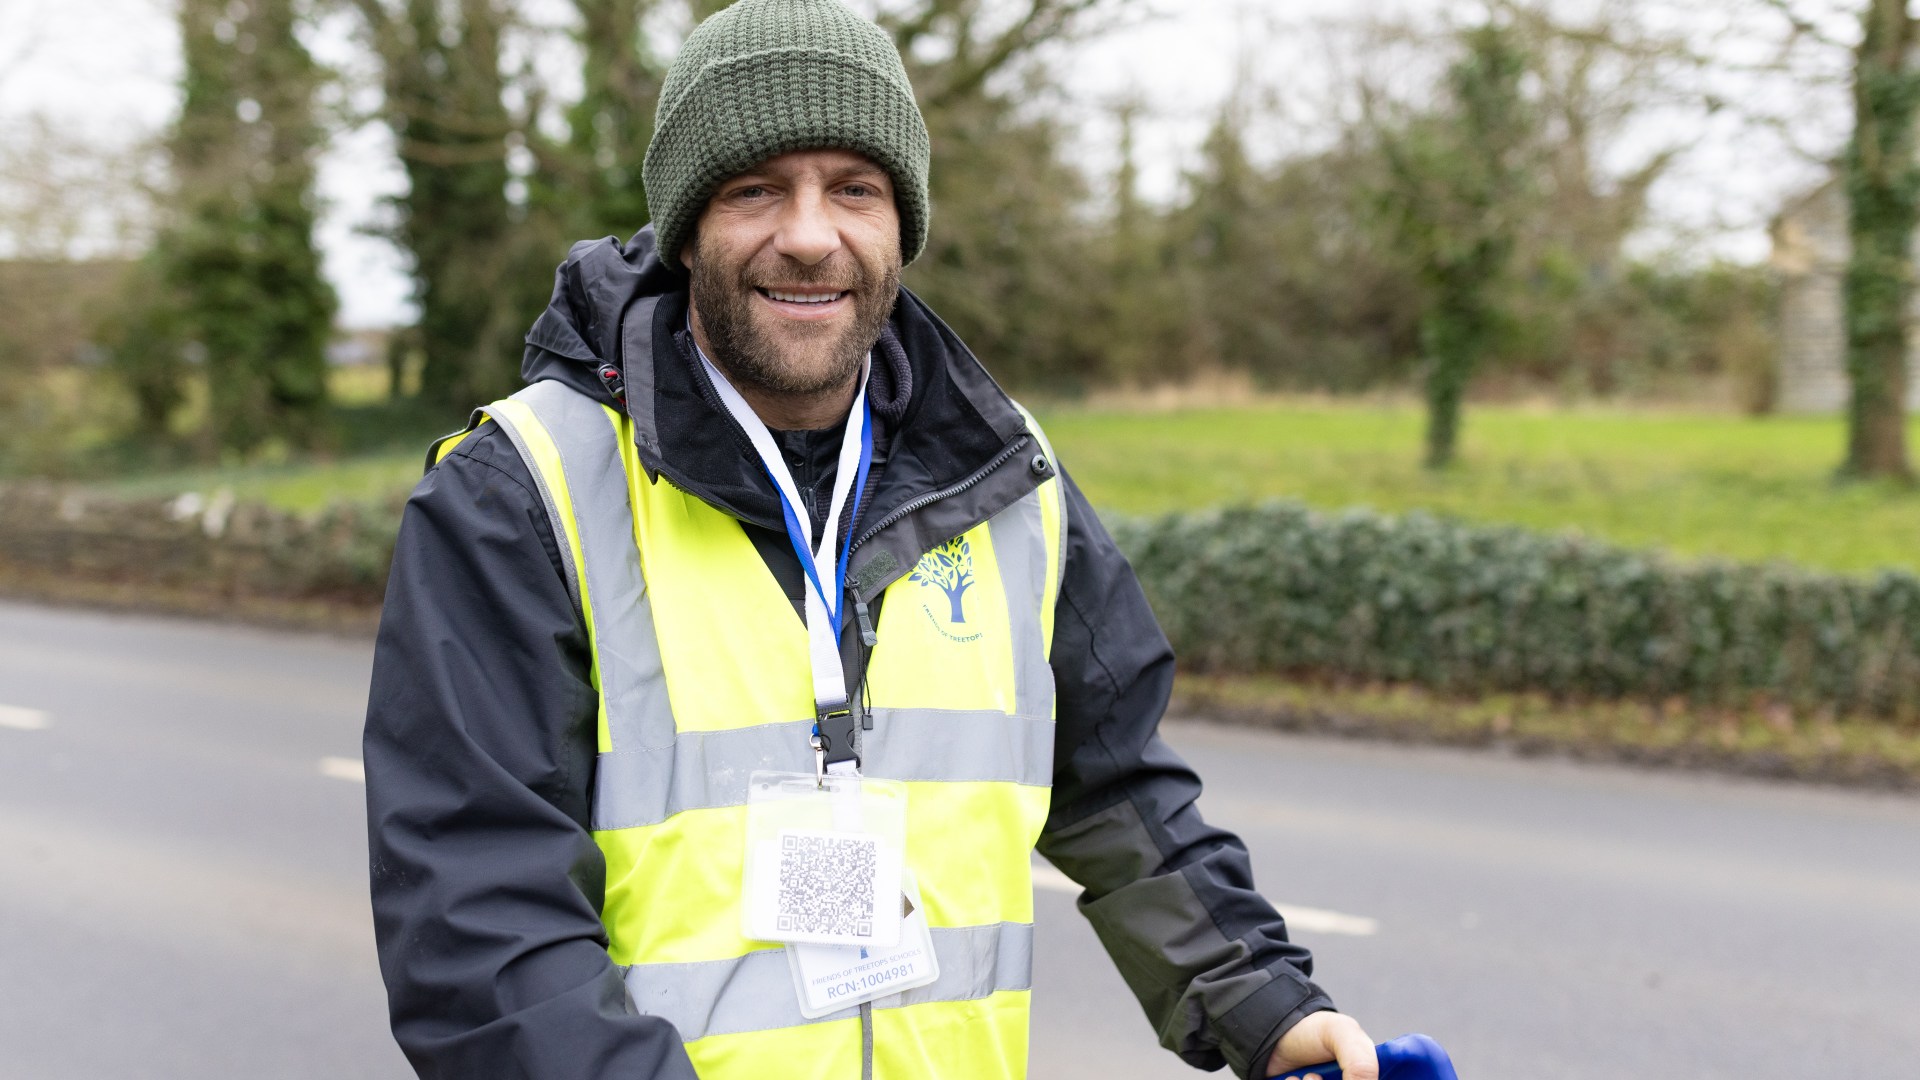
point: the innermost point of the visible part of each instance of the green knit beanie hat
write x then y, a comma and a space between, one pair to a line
767, 77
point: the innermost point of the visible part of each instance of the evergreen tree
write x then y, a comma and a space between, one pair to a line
1144, 332
441, 68
239, 250
1223, 229
610, 126
1011, 260
143, 336
1009, 263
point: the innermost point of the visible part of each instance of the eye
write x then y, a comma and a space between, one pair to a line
750, 191
859, 189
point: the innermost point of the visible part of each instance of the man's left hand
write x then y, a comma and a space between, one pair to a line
1322, 1037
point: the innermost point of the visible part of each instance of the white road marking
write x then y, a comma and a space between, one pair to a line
1299, 917
1321, 921
343, 768
24, 719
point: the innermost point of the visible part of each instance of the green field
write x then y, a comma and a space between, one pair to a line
1748, 489
294, 485
1695, 484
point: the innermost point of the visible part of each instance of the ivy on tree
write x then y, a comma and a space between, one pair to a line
1454, 178
1883, 193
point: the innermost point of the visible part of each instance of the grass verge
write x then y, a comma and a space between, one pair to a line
299, 486
1763, 742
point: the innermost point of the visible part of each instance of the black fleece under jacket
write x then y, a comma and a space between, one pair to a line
480, 738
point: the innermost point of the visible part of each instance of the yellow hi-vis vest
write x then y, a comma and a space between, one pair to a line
701, 665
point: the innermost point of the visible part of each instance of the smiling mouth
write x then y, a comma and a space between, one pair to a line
788, 297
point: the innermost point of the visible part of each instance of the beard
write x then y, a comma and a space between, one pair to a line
755, 347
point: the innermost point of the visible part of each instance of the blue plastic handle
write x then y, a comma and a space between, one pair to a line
1409, 1057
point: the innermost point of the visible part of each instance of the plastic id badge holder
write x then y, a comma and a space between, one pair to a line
826, 874
824, 859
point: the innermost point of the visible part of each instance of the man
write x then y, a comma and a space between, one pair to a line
760, 510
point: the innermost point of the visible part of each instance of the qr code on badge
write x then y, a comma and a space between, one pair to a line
826, 884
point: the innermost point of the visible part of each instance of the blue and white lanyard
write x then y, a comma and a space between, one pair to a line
826, 563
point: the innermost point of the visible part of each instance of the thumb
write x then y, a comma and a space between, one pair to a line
1354, 1050
1325, 1036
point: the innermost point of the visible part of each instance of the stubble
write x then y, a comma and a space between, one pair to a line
754, 347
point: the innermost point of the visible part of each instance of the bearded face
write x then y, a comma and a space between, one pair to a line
795, 268
788, 328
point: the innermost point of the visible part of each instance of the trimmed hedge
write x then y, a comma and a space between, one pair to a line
1281, 589
1272, 589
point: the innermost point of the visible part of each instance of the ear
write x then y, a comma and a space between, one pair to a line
688, 247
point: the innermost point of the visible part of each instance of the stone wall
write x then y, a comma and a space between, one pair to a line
212, 546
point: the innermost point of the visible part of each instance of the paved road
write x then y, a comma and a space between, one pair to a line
182, 888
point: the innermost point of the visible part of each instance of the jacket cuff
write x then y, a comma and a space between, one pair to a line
1252, 1024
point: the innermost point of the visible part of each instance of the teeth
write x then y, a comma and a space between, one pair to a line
804, 298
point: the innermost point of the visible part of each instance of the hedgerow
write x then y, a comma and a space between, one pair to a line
1271, 589
1282, 589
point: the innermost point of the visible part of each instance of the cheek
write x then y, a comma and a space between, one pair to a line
726, 241
878, 242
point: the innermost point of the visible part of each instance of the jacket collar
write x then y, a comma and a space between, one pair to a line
951, 440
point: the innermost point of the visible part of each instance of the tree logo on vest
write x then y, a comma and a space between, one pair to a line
949, 569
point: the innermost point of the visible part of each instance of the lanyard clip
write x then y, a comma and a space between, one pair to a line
833, 734
819, 758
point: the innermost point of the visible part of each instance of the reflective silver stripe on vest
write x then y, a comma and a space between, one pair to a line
1023, 574
555, 518
625, 648
703, 769
755, 992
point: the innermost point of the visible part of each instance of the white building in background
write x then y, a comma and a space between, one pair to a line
1810, 251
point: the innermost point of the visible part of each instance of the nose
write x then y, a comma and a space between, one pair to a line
808, 232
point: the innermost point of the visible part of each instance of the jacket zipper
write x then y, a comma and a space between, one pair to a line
922, 501
866, 634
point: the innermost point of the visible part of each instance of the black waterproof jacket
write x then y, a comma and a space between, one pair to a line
480, 738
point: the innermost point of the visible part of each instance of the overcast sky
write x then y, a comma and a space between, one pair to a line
107, 70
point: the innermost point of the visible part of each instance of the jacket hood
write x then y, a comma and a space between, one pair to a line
618, 314
592, 289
